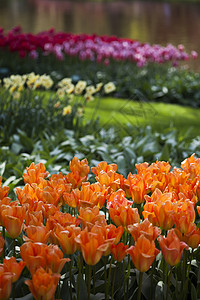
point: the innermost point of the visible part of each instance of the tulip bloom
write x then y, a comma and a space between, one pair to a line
54, 258
37, 234
5, 284
138, 188
12, 266
13, 217
3, 190
172, 247
184, 216
43, 284
124, 216
146, 228
34, 173
143, 253
92, 246
66, 238
119, 251
34, 255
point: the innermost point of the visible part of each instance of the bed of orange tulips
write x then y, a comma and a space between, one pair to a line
64, 237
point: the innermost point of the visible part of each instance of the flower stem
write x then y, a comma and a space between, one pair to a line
89, 280
109, 276
140, 286
79, 274
94, 271
70, 277
113, 282
168, 282
105, 277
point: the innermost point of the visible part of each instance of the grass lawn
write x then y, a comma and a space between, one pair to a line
159, 115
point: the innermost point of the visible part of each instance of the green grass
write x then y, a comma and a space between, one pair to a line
159, 115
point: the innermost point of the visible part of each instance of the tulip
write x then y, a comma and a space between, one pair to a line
33, 254
172, 247
43, 284
3, 190
5, 284
54, 258
146, 228
13, 217
66, 238
124, 216
184, 216
34, 173
92, 246
12, 266
37, 234
119, 251
143, 253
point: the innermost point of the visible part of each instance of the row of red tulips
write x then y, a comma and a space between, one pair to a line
59, 214
90, 47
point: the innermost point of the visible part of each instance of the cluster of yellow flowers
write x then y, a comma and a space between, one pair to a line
15, 84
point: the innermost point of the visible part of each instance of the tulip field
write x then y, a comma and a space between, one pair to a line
133, 238
88, 209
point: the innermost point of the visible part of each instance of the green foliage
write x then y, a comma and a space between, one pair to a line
154, 82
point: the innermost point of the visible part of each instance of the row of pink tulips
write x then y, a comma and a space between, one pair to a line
102, 49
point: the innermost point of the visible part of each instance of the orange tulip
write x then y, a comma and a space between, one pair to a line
33, 218
146, 228
138, 188
110, 234
143, 253
54, 258
159, 209
5, 284
124, 216
79, 166
118, 198
90, 216
38, 255
12, 266
13, 218
33, 254
5, 203
66, 238
37, 234
59, 183
2, 242
47, 194
119, 251
171, 247
34, 173
49, 210
192, 237
92, 246
3, 190
27, 194
43, 284
79, 172
184, 216
103, 166
191, 165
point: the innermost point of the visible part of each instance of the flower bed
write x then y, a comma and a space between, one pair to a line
90, 47
67, 237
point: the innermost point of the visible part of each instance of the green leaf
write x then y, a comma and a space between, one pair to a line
83, 290
193, 292
2, 167
9, 180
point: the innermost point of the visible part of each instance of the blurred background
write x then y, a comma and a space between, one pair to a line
147, 21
